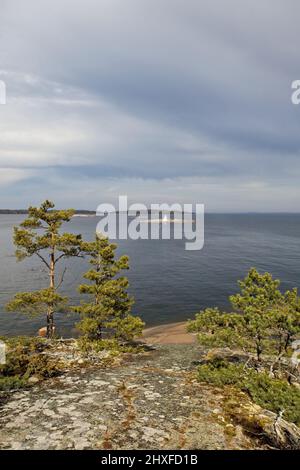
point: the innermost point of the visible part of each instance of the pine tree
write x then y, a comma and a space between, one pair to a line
259, 298
264, 318
110, 304
39, 235
285, 324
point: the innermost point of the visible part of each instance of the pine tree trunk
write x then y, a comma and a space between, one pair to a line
50, 323
287, 341
259, 349
50, 313
99, 332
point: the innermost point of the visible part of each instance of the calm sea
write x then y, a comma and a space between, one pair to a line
169, 284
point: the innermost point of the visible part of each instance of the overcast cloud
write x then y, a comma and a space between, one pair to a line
162, 100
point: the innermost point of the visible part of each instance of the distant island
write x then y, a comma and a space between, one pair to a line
25, 211
93, 213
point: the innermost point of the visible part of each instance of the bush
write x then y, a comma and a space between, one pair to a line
11, 383
25, 358
29, 343
220, 373
96, 346
40, 365
112, 345
273, 394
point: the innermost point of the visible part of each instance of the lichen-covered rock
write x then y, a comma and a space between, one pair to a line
149, 401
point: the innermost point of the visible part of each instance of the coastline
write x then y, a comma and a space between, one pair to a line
170, 333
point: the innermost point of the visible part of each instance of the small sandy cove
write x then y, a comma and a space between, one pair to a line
172, 333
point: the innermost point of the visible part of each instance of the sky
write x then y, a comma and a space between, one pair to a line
160, 100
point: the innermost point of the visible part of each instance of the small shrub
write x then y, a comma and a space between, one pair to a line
41, 366
11, 383
34, 344
113, 345
24, 359
275, 395
96, 346
220, 373
272, 394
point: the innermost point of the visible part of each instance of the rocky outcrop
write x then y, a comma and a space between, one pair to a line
149, 401
271, 428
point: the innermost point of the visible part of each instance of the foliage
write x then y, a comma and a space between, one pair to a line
39, 235
109, 306
221, 373
267, 311
11, 383
265, 320
273, 394
258, 293
216, 328
31, 344
112, 345
25, 357
32, 303
95, 346
286, 321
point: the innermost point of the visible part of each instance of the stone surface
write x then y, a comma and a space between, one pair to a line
150, 401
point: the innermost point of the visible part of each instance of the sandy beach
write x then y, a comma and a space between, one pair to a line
172, 333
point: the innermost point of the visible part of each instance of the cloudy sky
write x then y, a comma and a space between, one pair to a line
162, 100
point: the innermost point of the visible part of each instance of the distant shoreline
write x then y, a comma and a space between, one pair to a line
25, 211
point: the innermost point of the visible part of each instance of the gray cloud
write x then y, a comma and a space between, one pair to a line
178, 100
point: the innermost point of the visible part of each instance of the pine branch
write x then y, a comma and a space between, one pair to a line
43, 259
61, 279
